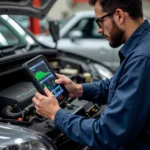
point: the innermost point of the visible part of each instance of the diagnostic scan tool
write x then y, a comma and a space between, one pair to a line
42, 75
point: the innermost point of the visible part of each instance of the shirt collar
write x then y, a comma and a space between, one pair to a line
133, 40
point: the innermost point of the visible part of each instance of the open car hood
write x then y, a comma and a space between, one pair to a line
26, 7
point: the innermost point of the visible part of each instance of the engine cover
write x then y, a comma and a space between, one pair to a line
18, 96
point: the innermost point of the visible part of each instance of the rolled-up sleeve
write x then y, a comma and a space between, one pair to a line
122, 119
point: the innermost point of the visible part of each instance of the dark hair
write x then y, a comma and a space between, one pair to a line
133, 7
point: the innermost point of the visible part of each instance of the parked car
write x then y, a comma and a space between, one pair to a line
21, 127
79, 35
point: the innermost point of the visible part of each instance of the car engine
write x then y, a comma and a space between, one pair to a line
17, 91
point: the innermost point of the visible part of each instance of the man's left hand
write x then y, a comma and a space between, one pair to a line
46, 106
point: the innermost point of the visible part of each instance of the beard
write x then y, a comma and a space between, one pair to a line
116, 36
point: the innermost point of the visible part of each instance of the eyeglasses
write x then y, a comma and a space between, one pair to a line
99, 20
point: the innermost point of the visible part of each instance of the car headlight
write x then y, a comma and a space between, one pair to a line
18, 138
33, 145
103, 71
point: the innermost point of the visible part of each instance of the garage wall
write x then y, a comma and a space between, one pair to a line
64, 8
146, 6
61, 8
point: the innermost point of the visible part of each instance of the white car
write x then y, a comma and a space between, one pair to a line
79, 35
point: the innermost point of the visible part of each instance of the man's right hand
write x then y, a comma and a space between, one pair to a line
75, 90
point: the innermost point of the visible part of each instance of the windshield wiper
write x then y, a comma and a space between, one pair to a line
13, 49
29, 47
10, 49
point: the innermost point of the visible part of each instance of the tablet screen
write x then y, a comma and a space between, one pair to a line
45, 77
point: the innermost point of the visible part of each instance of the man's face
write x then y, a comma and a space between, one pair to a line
109, 28
116, 35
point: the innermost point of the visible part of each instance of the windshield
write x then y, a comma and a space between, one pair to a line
64, 21
11, 33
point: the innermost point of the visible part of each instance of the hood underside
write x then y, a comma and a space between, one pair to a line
32, 8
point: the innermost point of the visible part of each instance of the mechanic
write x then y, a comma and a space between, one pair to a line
125, 122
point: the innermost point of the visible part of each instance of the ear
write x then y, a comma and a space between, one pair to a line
120, 16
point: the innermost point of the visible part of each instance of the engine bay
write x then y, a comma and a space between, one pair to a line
17, 91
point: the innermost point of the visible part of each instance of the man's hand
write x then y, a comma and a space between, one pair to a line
46, 106
75, 90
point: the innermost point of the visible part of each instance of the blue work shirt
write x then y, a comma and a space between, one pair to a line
125, 122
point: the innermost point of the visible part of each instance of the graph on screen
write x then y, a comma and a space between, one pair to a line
40, 75
46, 78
